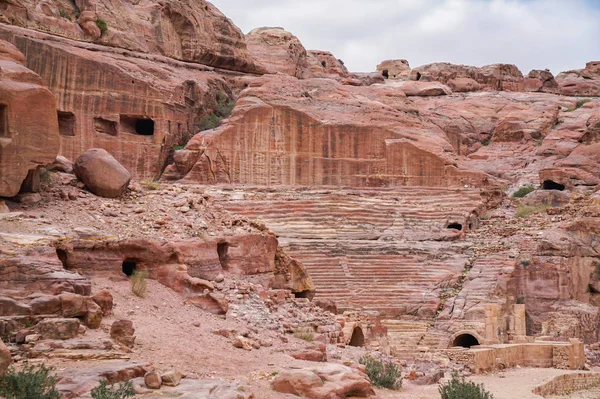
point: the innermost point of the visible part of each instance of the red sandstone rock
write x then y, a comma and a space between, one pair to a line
28, 123
194, 31
58, 328
503, 77
105, 300
463, 85
212, 302
5, 358
330, 381
153, 380
278, 50
324, 64
394, 69
424, 89
122, 331
581, 82
353, 136
101, 173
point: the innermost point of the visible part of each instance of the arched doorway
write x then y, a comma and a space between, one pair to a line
128, 267
358, 338
465, 340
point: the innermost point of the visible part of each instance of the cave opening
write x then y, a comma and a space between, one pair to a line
455, 226
323, 64
222, 251
419, 76
4, 132
385, 74
358, 338
129, 267
63, 257
552, 185
465, 340
66, 123
142, 126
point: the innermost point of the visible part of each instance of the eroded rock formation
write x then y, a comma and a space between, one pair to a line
28, 123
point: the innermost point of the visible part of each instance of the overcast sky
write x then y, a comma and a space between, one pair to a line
533, 34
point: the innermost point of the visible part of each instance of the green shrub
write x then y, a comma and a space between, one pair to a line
460, 389
139, 283
209, 122
524, 211
102, 25
65, 15
151, 184
580, 103
178, 147
486, 142
305, 333
32, 382
383, 374
113, 391
525, 262
523, 191
520, 300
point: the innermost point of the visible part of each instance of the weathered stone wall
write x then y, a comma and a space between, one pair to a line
568, 383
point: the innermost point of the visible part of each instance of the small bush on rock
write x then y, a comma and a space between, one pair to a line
113, 391
102, 25
31, 382
458, 388
305, 333
139, 285
523, 191
524, 211
383, 374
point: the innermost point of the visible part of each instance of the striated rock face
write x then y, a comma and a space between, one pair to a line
155, 103
502, 77
318, 132
582, 82
5, 358
28, 123
188, 30
394, 69
324, 64
278, 50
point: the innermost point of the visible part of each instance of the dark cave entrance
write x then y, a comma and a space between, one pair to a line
129, 267
419, 76
465, 340
455, 226
323, 64
141, 126
385, 73
552, 185
63, 257
222, 251
358, 338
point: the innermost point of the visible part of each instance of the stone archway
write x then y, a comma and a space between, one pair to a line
358, 337
465, 340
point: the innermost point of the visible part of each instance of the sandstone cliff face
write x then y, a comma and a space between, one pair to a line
188, 30
582, 82
153, 104
28, 122
317, 132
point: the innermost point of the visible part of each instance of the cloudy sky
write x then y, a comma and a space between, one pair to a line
533, 34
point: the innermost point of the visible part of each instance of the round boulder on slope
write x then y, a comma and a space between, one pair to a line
101, 173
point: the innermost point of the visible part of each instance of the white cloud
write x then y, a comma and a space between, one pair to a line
533, 34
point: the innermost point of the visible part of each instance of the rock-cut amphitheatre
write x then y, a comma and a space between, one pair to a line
285, 216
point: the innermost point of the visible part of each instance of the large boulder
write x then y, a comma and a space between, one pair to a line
278, 50
5, 359
101, 173
28, 121
425, 89
394, 69
329, 381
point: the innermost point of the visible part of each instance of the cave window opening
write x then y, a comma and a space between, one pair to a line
4, 132
66, 123
105, 126
419, 76
551, 185
385, 74
222, 251
302, 294
455, 226
358, 338
141, 126
323, 64
129, 266
63, 257
465, 341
